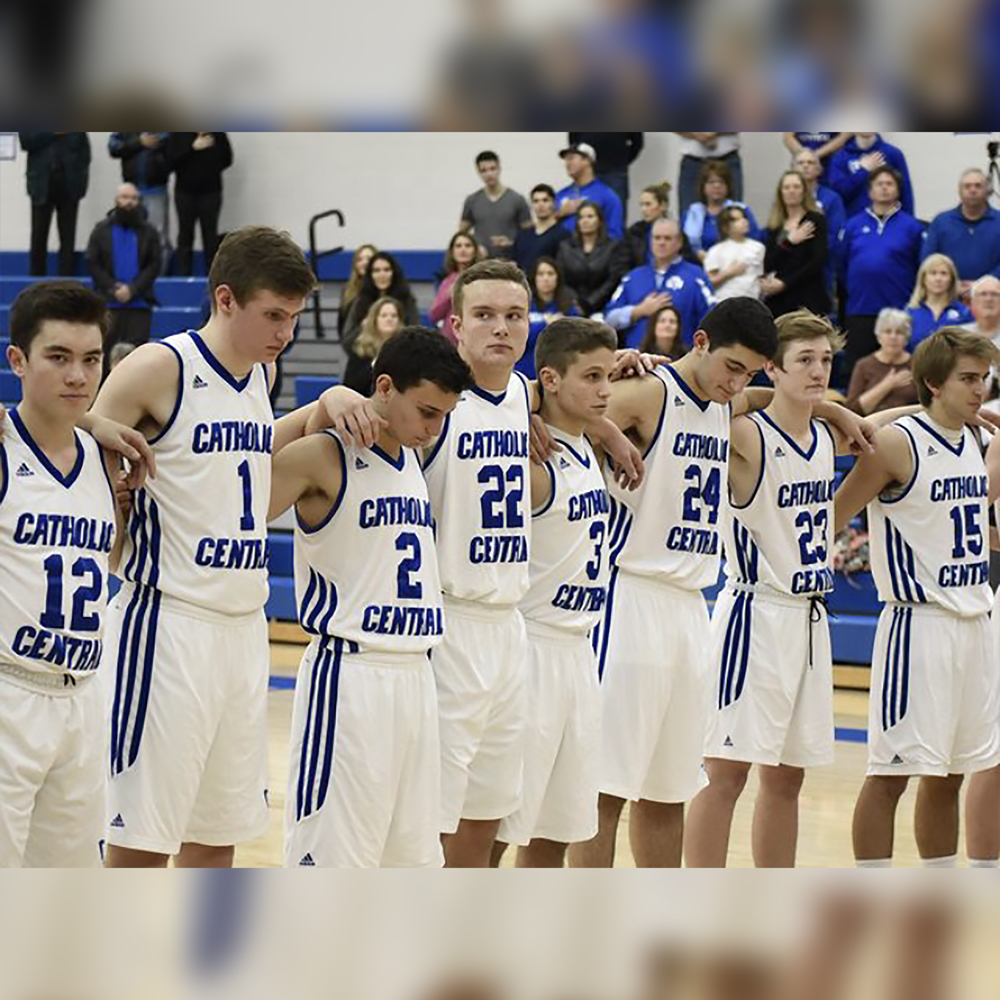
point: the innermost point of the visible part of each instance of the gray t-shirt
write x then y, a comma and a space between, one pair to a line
503, 217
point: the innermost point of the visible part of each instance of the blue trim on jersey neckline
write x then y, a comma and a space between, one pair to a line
930, 430
702, 404
218, 367
584, 460
791, 441
66, 481
490, 397
396, 463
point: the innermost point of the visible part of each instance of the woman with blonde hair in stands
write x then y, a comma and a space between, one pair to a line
935, 301
462, 253
359, 267
383, 319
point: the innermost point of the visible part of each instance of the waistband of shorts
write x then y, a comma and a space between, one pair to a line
59, 684
181, 607
935, 611
380, 658
769, 595
552, 633
658, 586
479, 610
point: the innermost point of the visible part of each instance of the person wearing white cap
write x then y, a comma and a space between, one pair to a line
580, 159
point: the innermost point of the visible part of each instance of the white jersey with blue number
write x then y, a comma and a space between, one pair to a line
930, 537
368, 574
569, 568
56, 534
670, 529
198, 531
781, 537
477, 477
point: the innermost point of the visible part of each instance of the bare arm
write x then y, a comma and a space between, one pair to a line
541, 485
308, 467
751, 400
791, 143
890, 462
993, 468
837, 142
113, 466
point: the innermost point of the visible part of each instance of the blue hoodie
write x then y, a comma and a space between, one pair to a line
973, 246
850, 180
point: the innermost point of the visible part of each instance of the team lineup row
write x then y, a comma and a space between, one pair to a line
502, 581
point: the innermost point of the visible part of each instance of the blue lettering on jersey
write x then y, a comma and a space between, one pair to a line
390, 619
232, 435
64, 531
960, 488
386, 511
498, 549
805, 494
704, 446
571, 597
233, 553
812, 581
964, 574
593, 503
493, 444
69, 651
697, 540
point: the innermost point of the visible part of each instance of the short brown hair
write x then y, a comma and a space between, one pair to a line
936, 357
258, 258
804, 325
726, 218
564, 339
68, 301
487, 270
714, 168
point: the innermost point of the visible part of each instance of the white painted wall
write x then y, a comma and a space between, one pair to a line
405, 190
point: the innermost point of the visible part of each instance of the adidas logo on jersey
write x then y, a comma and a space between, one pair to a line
563, 464
360, 463
118, 823
728, 742
897, 760
24, 470
307, 862
779, 452
931, 450
678, 401
199, 383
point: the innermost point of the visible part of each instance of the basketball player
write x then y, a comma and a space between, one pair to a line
568, 575
58, 531
365, 771
188, 646
935, 704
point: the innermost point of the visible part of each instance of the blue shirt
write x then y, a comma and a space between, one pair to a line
879, 260
836, 218
606, 198
537, 323
850, 180
974, 246
125, 263
688, 286
702, 228
924, 323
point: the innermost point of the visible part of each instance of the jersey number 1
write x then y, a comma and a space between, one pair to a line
246, 521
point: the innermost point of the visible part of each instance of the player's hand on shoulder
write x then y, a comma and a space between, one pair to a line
627, 462
630, 363
127, 442
541, 443
350, 414
988, 419
857, 433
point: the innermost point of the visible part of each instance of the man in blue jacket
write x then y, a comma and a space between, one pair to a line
581, 160
878, 258
851, 169
667, 280
970, 233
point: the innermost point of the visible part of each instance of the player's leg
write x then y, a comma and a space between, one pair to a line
204, 856
656, 833
982, 818
936, 817
541, 853
599, 852
471, 845
874, 824
776, 816
710, 817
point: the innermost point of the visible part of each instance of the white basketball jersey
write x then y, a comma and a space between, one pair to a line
671, 527
477, 477
781, 538
198, 531
56, 533
930, 538
569, 570
368, 574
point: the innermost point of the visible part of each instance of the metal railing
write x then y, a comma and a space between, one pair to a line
315, 255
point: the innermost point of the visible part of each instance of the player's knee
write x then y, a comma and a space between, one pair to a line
784, 782
887, 786
728, 777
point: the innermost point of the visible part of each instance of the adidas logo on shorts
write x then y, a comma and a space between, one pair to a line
118, 823
931, 450
728, 742
897, 760
199, 383
307, 862
23, 470
360, 463
779, 452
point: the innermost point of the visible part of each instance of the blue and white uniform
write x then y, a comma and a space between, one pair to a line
665, 544
479, 486
364, 769
569, 579
56, 534
773, 669
189, 647
935, 705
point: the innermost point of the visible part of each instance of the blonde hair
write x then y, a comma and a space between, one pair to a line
805, 325
920, 292
779, 215
353, 286
936, 357
369, 341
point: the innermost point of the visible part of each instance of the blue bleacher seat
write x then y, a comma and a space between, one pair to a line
4, 344
281, 604
10, 387
281, 548
308, 388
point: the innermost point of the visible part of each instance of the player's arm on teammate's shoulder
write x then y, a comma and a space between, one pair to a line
345, 411
750, 400
308, 468
891, 461
744, 445
852, 433
542, 481
992, 468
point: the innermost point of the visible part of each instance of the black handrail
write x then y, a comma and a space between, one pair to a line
315, 254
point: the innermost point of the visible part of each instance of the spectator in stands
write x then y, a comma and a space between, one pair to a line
633, 250
124, 259
696, 149
542, 239
118, 354
795, 260
144, 164
736, 263
198, 160
359, 266
494, 214
383, 319
985, 302
807, 163
550, 300
585, 260
663, 334
57, 173
823, 144
878, 257
935, 300
851, 170
383, 277
616, 152
700, 221
667, 280
461, 253
882, 380
580, 159
970, 233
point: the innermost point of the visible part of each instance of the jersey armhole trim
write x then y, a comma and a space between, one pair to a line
180, 395
916, 468
311, 530
663, 413
104, 465
760, 475
4, 472
552, 492
437, 444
